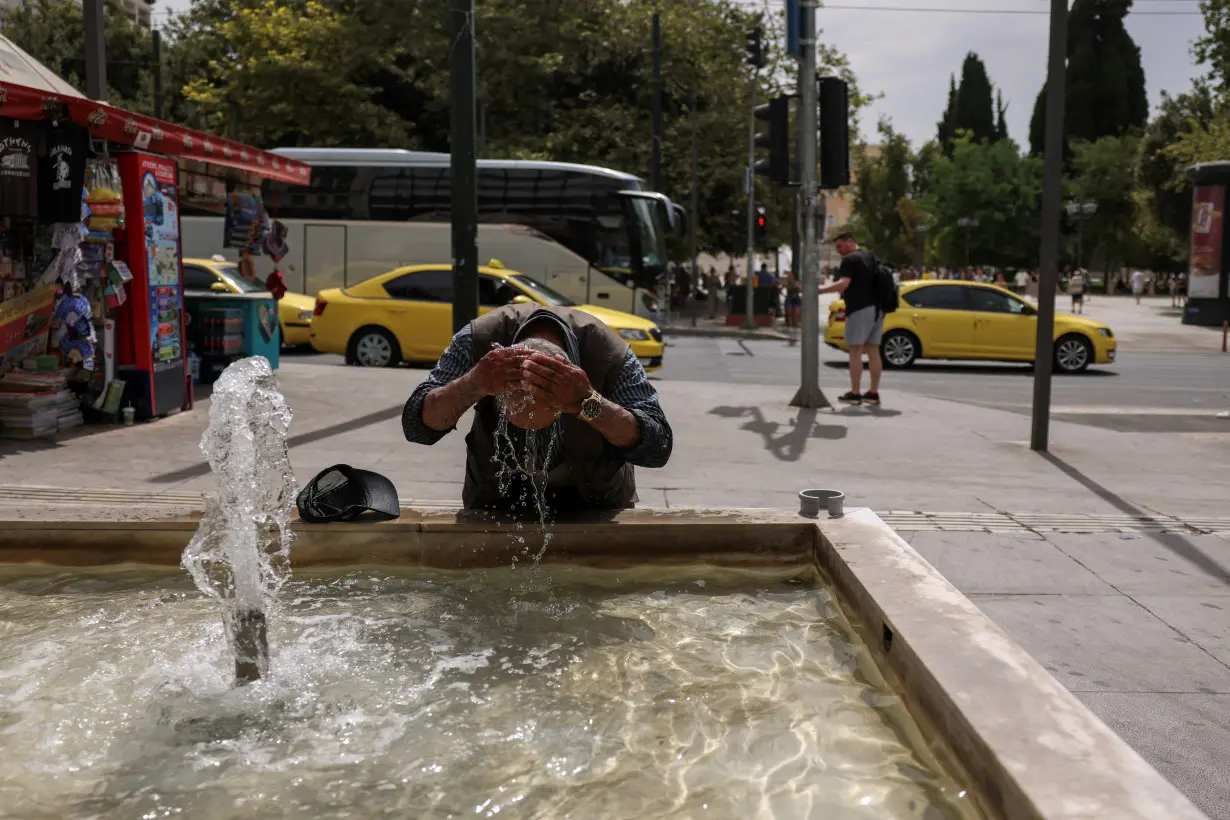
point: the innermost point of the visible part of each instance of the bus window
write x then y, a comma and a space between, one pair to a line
328, 196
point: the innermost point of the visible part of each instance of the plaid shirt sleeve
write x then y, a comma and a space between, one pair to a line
457, 360
634, 392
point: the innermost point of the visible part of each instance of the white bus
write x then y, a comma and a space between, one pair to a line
593, 234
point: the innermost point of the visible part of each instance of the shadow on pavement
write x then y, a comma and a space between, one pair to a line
1006, 369
1175, 543
790, 445
294, 441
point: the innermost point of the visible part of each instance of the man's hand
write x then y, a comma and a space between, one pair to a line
498, 370
556, 381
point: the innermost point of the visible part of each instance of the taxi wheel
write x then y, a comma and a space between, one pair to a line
1073, 354
899, 348
373, 347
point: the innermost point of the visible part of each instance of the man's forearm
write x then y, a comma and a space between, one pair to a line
617, 425
445, 405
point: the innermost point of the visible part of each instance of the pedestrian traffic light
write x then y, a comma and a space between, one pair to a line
834, 133
762, 226
755, 47
777, 140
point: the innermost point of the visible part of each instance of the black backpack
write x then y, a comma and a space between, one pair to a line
884, 289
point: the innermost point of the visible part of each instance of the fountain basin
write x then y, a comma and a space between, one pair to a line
989, 714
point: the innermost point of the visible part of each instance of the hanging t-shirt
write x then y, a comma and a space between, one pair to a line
18, 168
62, 173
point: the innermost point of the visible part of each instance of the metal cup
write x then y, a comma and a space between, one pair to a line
812, 501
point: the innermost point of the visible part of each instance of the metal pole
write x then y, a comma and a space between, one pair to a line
809, 394
1048, 251
657, 100
695, 202
95, 49
463, 165
749, 179
157, 41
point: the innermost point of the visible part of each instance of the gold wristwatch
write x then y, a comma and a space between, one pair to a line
591, 406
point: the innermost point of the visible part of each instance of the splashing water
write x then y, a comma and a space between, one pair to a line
240, 555
534, 461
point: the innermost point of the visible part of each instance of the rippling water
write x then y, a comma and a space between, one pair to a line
461, 696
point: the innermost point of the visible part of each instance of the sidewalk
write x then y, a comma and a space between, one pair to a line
1152, 325
1108, 559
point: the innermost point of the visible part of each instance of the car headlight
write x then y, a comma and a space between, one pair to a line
305, 316
633, 335
1105, 331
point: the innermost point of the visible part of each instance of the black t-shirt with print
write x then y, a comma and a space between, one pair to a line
859, 267
18, 168
62, 173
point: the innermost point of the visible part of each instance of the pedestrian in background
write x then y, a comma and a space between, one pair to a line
1076, 289
864, 321
1138, 285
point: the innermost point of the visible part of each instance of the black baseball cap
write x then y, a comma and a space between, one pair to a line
343, 493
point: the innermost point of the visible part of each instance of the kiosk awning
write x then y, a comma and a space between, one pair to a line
117, 125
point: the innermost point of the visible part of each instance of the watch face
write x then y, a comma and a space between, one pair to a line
590, 408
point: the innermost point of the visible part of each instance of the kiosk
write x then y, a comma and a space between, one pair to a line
1208, 279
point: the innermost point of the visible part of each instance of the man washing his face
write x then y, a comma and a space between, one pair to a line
543, 364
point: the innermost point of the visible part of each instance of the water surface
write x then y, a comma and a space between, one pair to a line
591, 696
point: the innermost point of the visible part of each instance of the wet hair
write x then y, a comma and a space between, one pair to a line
541, 345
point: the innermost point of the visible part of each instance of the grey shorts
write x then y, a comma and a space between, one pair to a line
864, 327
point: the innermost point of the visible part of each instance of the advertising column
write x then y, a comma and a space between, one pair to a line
154, 360
1204, 272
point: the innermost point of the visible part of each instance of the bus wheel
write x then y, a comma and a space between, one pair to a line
373, 347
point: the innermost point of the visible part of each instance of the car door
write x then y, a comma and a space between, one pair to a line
420, 312
937, 315
1005, 327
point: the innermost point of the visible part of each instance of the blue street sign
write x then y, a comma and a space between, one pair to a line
793, 21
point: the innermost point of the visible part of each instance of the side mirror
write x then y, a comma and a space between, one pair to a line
219, 287
520, 299
1029, 310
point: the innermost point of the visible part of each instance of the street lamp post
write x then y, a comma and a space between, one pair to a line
967, 222
1080, 211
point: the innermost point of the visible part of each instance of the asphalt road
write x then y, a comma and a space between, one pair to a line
1142, 392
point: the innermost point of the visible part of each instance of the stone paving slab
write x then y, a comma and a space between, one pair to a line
1105, 643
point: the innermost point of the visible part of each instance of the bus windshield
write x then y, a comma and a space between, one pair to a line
548, 295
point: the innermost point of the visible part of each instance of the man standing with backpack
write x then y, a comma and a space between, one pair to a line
869, 293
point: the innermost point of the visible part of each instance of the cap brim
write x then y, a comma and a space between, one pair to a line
381, 495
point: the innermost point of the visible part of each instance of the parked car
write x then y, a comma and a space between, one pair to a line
294, 309
940, 319
407, 315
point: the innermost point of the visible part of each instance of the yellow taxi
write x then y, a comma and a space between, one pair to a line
407, 315
219, 275
939, 319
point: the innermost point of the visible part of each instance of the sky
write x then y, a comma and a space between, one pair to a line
905, 50
907, 54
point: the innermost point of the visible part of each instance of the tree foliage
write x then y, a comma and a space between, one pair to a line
883, 218
972, 108
1105, 80
990, 183
375, 74
53, 33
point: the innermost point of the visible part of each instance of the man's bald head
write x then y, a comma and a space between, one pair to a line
523, 409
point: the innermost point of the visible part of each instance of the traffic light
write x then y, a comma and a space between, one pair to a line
777, 140
762, 226
834, 133
755, 47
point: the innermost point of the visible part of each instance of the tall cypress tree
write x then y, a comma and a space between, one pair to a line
975, 112
1001, 124
1106, 83
946, 127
